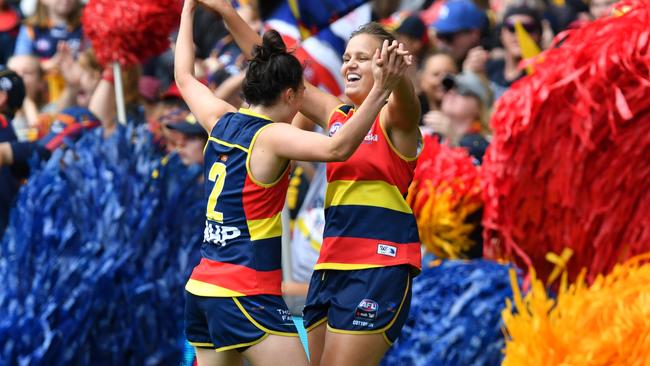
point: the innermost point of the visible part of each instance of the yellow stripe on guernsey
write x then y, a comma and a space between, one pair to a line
228, 144
375, 193
265, 228
200, 288
250, 112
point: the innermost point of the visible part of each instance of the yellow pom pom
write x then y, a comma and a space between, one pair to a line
442, 222
607, 323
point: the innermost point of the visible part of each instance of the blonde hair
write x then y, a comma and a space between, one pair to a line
88, 61
41, 18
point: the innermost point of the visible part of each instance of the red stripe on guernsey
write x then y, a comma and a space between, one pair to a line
238, 278
263, 203
375, 160
368, 252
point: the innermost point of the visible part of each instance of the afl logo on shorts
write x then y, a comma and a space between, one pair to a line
335, 127
367, 310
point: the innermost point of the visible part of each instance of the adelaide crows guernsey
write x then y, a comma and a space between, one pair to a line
242, 240
368, 223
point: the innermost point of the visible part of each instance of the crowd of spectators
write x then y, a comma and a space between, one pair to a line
52, 88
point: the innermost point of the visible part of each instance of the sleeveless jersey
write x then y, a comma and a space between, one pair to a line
368, 223
45, 40
241, 250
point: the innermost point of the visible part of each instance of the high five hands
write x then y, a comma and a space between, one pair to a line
390, 63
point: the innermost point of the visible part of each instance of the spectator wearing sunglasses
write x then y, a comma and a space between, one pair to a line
503, 72
461, 119
435, 67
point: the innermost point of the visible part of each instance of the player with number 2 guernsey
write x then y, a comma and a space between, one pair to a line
233, 297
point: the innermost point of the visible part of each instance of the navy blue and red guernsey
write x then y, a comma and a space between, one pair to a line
368, 223
241, 251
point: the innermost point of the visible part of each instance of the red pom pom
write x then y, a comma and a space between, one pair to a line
130, 31
569, 165
444, 168
445, 196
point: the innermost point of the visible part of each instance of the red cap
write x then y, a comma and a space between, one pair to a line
172, 92
9, 19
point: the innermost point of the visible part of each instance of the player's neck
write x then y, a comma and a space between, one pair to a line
274, 113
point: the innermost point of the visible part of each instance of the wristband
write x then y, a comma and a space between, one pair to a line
107, 75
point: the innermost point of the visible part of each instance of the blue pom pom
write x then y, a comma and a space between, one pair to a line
96, 255
455, 316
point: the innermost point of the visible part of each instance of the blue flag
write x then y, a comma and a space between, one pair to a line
314, 16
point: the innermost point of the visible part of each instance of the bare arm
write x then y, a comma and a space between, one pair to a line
317, 104
302, 122
206, 107
230, 89
292, 143
102, 104
289, 142
245, 37
403, 109
69, 69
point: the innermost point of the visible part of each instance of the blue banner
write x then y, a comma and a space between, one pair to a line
314, 16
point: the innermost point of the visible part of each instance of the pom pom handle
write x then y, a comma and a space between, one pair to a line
119, 93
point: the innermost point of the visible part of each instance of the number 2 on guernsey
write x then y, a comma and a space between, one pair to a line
218, 176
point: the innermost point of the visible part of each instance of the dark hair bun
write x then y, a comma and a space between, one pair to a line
272, 45
271, 70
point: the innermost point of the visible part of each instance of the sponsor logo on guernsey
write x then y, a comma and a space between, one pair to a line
366, 313
218, 234
387, 250
335, 127
370, 138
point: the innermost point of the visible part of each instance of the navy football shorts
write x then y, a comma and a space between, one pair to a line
367, 301
226, 323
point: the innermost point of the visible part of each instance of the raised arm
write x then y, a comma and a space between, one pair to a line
102, 103
317, 104
244, 35
230, 89
292, 143
403, 109
206, 107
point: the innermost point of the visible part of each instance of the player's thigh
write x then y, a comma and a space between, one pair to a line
277, 350
316, 342
209, 357
353, 349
